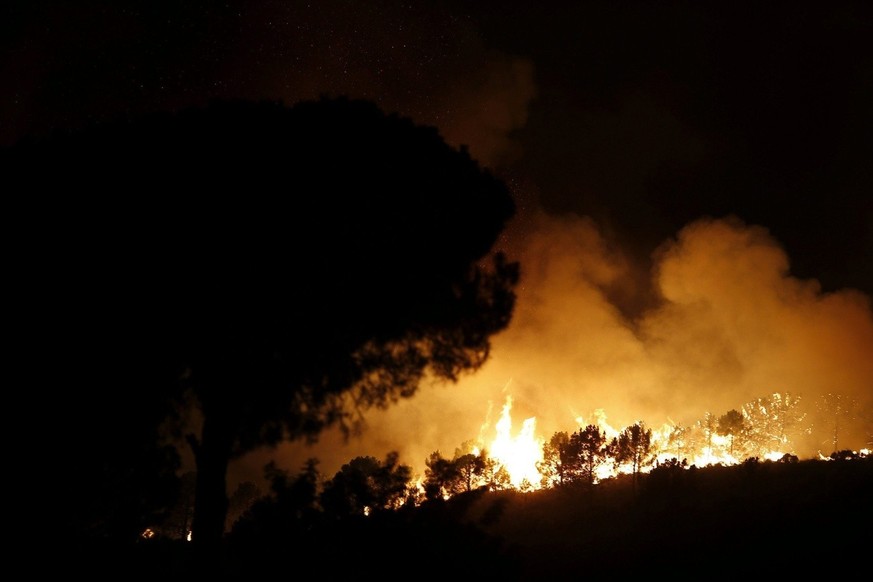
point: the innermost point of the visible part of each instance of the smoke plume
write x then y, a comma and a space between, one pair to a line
732, 325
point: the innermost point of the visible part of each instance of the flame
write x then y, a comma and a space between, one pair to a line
774, 455
600, 420
671, 445
518, 454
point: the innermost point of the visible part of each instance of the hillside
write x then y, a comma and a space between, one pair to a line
715, 522
763, 517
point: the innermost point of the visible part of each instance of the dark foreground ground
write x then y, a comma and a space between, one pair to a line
784, 519
717, 522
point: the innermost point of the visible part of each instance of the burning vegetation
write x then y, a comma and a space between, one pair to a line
762, 429
499, 459
650, 499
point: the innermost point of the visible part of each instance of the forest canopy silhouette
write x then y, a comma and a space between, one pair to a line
239, 274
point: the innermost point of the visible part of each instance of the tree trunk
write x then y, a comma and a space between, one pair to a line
212, 456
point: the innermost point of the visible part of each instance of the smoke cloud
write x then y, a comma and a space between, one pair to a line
732, 325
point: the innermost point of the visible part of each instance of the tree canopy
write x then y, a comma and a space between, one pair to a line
281, 267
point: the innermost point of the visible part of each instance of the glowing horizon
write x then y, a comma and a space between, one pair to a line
732, 325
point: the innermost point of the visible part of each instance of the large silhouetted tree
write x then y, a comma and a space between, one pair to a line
285, 268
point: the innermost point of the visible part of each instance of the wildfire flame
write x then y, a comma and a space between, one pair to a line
518, 454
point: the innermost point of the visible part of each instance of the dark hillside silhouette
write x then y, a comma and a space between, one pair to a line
781, 519
340, 544
281, 268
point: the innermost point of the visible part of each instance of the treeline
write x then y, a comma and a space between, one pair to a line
429, 515
765, 427
371, 516
367, 487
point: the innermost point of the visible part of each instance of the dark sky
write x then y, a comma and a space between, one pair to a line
628, 131
643, 115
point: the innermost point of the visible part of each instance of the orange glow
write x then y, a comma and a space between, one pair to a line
731, 324
518, 454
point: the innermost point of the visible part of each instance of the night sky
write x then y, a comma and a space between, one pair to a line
693, 179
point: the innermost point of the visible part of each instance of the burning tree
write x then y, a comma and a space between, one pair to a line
588, 450
632, 446
441, 477
769, 421
836, 410
554, 466
364, 485
469, 469
680, 440
708, 425
732, 424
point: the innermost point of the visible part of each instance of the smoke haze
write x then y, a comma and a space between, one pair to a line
732, 325
618, 130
